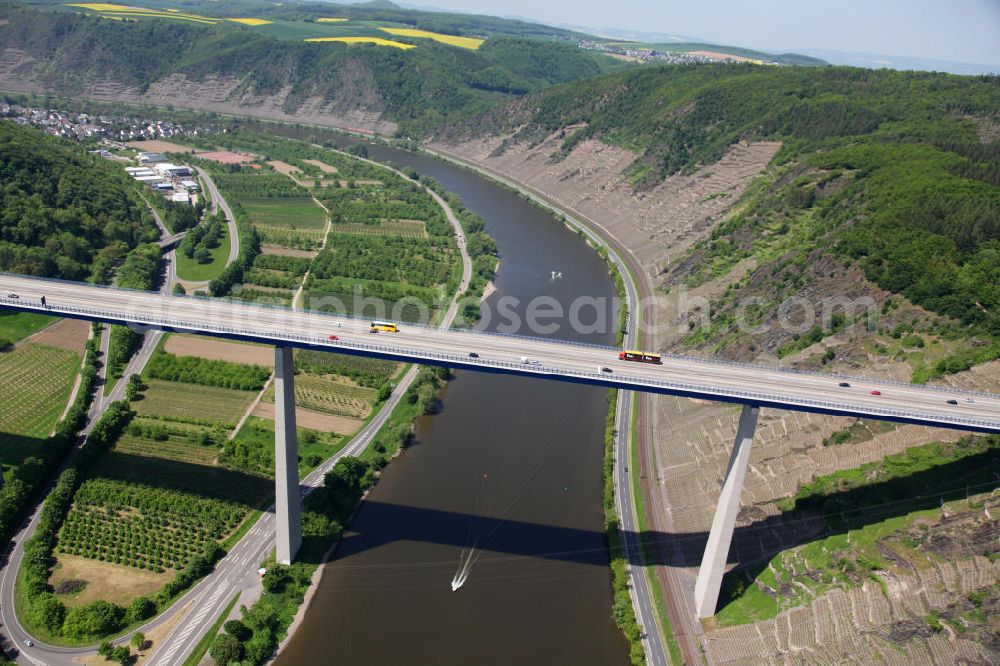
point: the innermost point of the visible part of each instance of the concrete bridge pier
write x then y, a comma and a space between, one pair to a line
288, 529
713, 562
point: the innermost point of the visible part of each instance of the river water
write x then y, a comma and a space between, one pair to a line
510, 467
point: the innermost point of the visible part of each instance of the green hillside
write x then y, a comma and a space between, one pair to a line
419, 87
889, 171
64, 213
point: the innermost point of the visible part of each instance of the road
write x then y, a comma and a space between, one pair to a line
532, 357
45, 654
218, 201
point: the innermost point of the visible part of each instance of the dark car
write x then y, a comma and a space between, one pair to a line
844, 385
953, 402
473, 355
13, 296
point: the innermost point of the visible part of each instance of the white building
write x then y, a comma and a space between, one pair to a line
172, 170
151, 158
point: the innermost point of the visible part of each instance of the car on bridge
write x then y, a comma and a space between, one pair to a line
334, 338
952, 402
844, 385
876, 392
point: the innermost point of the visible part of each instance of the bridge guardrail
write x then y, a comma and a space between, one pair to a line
634, 382
666, 355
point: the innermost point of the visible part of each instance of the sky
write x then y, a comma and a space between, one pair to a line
960, 30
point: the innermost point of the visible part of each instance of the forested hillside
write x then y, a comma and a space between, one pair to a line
417, 88
64, 213
896, 171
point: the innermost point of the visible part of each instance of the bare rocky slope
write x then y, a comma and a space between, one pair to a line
669, 228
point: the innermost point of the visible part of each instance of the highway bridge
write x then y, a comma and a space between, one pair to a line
752, 386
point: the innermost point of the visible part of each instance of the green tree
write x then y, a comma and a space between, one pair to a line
48, 611
225, 649
237, 629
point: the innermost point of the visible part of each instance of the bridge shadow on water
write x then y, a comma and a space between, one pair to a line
754, 543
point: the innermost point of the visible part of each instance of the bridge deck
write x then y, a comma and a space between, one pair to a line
565, 361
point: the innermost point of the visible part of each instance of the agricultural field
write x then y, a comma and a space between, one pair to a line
380, 41
367, 371
252, 450
330, 395
143, 527
219, 350
291, 212
297, 239
451, 40
119, 12
400, 228
35, 384
192, 403
15, 326
264, 295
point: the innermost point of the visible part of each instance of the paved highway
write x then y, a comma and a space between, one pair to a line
533, 357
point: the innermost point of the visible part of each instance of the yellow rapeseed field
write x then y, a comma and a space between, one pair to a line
358, 40
452, 40
123, 11
250, 21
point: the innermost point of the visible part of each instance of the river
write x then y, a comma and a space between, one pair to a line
510, 465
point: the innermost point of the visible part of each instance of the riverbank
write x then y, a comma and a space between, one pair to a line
631, 282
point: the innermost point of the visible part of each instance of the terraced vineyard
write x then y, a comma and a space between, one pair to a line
35, 383
192, 403
331, 395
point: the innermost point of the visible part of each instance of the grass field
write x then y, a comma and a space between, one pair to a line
35, 383
291, 212
16, 326
330, 395
193, 403
112, 582
189, 269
